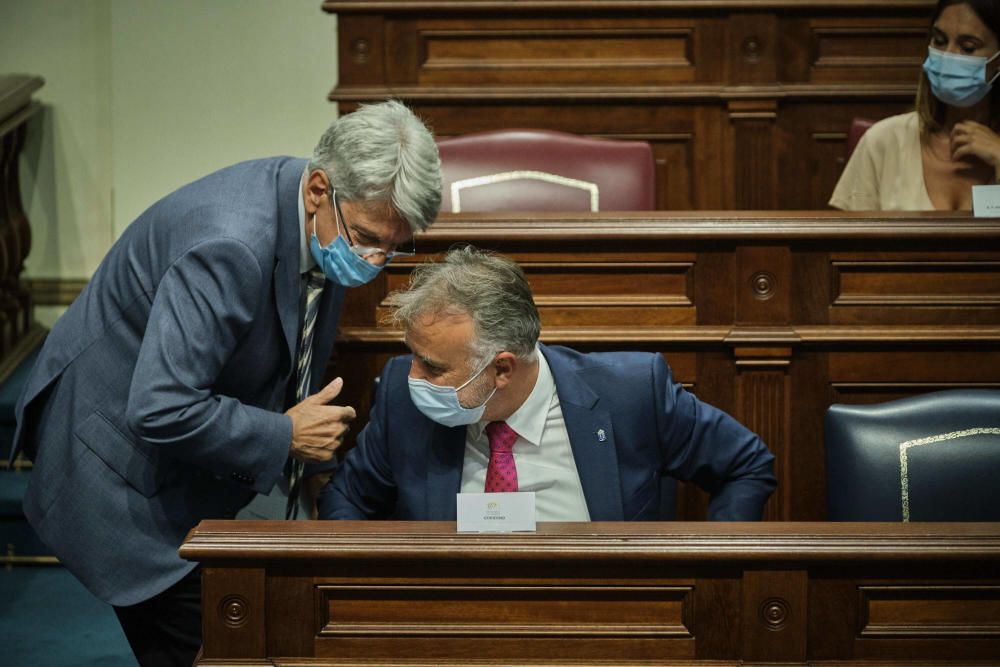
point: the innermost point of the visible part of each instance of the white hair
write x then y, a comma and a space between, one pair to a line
383, 153
488, 287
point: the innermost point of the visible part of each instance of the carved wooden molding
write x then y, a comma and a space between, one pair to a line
15, 95
711, 226
369, 610
663, 93
408, 6
675, 541
55, 291
946, 611
900, 336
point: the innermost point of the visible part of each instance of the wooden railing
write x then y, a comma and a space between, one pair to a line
385, 593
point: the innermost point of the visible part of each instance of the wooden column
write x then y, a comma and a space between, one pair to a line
762, 342
18, 335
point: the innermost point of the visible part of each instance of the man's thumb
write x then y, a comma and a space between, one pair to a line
330, 391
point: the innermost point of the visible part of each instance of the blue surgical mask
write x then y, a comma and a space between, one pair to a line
440, 404
338, 263
956, 79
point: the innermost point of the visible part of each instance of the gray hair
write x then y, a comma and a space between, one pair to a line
383, 152
488, 287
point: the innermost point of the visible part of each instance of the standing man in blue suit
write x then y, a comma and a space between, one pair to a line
172, 389
592, 433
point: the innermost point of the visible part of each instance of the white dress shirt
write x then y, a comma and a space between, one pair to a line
542, 454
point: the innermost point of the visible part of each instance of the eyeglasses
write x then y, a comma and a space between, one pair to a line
364, 252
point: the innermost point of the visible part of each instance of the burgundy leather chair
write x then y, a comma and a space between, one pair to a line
858, 127
544, 170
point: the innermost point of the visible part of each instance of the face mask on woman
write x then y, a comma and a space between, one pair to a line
958, 80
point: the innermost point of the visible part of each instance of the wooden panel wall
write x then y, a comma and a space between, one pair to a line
771, 317
746, 104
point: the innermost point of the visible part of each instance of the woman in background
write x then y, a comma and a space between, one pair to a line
929, 159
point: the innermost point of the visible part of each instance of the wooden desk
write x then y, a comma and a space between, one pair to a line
377, 593
771, 316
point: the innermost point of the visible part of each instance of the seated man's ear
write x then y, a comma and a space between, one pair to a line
506, 364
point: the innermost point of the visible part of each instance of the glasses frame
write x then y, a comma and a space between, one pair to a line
364, 252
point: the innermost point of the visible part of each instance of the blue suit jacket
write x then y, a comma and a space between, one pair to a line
156, 400
407, 467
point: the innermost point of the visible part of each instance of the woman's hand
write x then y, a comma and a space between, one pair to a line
972, 139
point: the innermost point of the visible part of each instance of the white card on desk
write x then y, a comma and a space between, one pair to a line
986, 201
496, 512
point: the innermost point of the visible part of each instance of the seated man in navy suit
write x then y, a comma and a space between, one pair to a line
592, 433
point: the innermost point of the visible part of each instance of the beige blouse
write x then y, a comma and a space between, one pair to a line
886, 170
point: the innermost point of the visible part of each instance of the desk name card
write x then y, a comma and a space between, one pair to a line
986, 201
496, 512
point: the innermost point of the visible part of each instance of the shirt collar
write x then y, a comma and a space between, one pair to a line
528, 421
306, 261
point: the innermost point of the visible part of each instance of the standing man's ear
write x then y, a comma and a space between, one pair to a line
317, 187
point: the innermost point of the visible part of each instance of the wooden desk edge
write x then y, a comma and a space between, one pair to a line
675, 541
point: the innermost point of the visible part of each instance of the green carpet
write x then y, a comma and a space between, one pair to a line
48, 619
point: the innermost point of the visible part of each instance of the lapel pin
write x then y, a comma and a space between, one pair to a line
601, 435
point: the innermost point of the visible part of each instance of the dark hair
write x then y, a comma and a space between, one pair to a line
929, 108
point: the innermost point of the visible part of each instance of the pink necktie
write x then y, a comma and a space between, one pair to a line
501, 475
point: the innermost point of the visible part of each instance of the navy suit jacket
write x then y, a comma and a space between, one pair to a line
407, 467
157, 398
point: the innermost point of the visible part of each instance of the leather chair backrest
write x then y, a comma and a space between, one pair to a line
932, 457
858, 127
544, 170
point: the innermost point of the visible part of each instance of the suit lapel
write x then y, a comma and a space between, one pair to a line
445, 456
592, 439
286, 266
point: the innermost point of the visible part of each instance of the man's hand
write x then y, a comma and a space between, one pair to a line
311, 488
318, 428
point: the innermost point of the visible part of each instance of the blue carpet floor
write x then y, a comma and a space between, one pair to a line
48, 619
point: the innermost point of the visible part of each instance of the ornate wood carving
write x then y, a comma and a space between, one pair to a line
774, 614
234, 610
